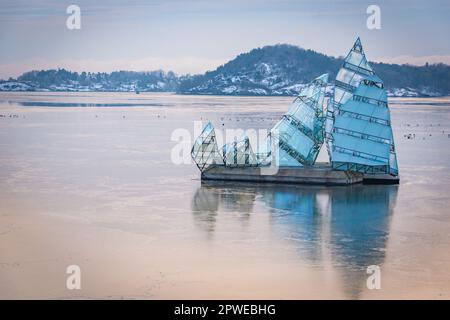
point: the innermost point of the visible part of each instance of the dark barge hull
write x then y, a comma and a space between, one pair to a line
315, 175
319, 174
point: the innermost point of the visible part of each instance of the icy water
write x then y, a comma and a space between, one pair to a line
88, 179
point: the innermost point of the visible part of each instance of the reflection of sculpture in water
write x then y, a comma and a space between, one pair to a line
347, 227
359, 230
207, 200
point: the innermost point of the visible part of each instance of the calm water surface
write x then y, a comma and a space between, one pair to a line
87, 179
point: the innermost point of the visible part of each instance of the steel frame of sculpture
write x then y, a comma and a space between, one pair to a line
205, 152
358, 128
239, 153
304, 124
355, 126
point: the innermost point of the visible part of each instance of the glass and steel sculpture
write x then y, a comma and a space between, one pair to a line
355, 124
297, 138
359, 134
239, 153
294, 141
205, 152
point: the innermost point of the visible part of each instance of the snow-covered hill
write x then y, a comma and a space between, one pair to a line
280, 70
63, 80
285, 69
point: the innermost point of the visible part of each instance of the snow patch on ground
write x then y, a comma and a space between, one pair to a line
229, 90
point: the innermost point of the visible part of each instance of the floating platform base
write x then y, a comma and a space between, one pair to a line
318, 174
380, 179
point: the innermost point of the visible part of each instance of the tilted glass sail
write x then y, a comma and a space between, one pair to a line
297, 138
239, 153
359, 133
205, 152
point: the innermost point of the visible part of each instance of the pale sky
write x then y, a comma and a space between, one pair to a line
192, 36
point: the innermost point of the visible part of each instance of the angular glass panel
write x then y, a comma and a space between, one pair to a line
299, 135
205, 152
239, 153
359, 134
